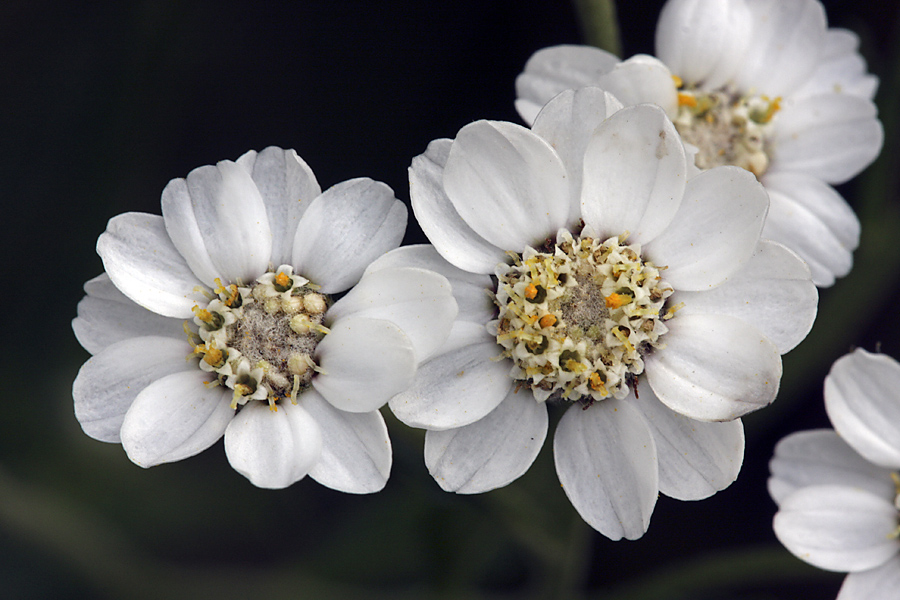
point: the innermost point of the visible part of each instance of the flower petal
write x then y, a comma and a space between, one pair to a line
552, 70
142, 262
837, 527
715, 230
287, 186
365, 362
714, 368
507, 184
175, 417
273, 449
108, 383
356, 449
567, 123
106, 316
703, 42
788, 38
491, 452
451, 236
345, 229
696, 459
416, 300
830, 136
773, 292
457, 387
641, 79
861, 401
821, 457
880, 583
606, 461
634, 174
217, 220
470, 290
841, 69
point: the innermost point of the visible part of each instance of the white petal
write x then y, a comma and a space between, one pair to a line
175, 417
217, 220
356, 450
365, 362
634, 174
830, 136
841, 69
567, 123
703, 42
861, 401
880, 583
641, 79
107, 384
470, 290
456, 388
107, 316
491, 452
451, 236
788, 37
606, 461
696, 459
345, 229
715, 230
507, 184
714, 368
142, 262
772, 291
552, 70
418, 301
821, 457
287, 186
837, 528
273, 449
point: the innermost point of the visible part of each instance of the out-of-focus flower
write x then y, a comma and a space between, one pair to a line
763, 85
838, 492
217, 318
616, 266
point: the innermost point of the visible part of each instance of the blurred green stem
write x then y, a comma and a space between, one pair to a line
599, 24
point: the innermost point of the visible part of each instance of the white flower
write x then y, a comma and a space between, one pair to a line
293, 380
667, 284
838, 492
763, 85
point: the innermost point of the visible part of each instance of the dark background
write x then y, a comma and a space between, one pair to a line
103, 102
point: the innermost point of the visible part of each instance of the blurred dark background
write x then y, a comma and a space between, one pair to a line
103, 102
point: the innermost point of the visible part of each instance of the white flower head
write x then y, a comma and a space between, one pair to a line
217, 318
764, 85
838, 490
614, 271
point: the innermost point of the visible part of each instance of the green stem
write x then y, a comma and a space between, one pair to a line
599, 24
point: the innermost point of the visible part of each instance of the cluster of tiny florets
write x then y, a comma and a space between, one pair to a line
260, 340
576, 320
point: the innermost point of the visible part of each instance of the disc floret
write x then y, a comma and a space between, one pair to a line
259, 340
577, 319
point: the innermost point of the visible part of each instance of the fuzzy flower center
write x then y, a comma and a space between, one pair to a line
727, 128
260, 340
577, 319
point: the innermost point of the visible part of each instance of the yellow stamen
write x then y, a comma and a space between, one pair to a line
547, 321
678, 82
213, 357
530, 291
596, 382
688, 100
282, 279
616, 300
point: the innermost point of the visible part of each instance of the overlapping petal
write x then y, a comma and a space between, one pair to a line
640, 79
880, 583
343, 230
606, 461
491, 452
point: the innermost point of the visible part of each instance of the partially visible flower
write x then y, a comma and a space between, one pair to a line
766, 86
618, 271
838, 491
217, 318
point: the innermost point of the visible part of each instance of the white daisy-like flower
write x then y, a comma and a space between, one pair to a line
760, 84
838, 490
609, 261
216, 318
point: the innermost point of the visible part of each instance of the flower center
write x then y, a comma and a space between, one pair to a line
260, 340
727, 128
577, 320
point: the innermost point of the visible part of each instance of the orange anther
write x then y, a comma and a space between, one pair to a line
547, 320
530, 291
615, 301
687, 100
213, 356
282, 279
